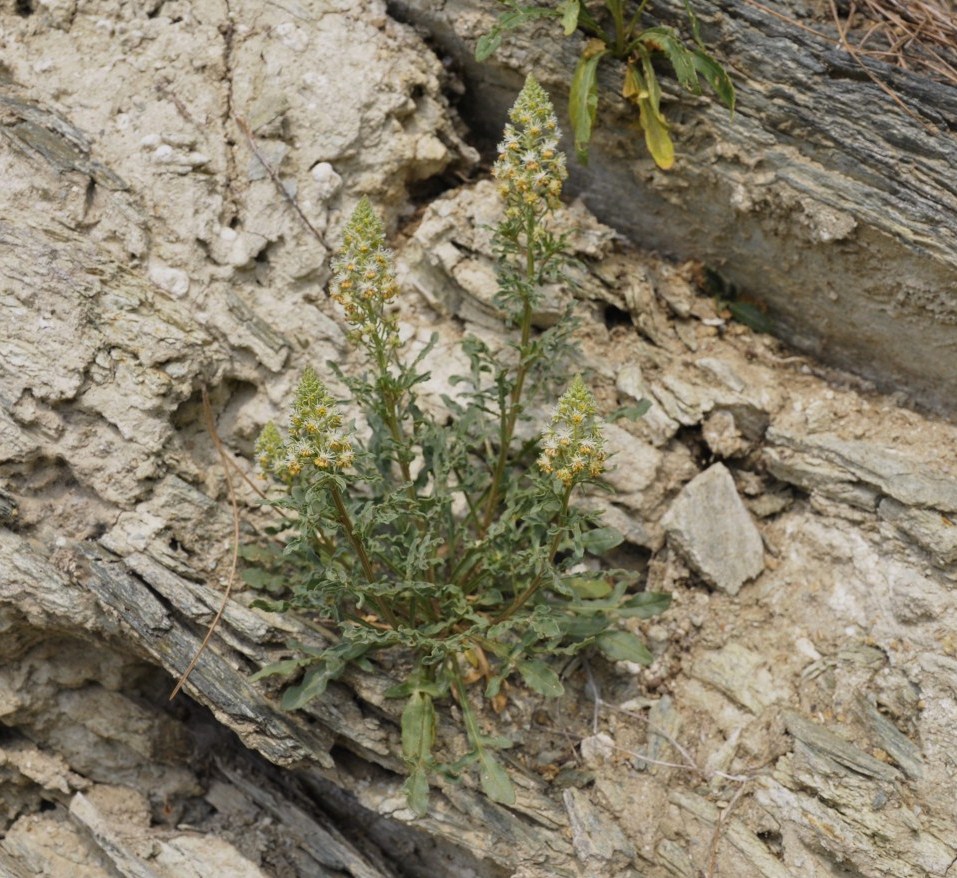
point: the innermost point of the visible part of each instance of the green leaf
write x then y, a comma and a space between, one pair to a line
270, 606
569, 11
716, 76
416, 789
487, 45
262, 579
623, 646
313, 684
631, 412
645, 605
588, 588
666, 41
284, 667
418, 739
541, 678
601, 540
494, 779
750, 315
418, 727
693, 21
583, 97
582, 627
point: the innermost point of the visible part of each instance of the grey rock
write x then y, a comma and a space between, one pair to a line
594, 835
711, 528
927, 527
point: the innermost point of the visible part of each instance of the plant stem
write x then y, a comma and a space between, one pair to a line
346, 521
510, 416
617, 10
468, 717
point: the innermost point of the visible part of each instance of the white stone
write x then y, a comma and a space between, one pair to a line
710, 527
174, 280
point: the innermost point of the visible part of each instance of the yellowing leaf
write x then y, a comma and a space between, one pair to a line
583, 97
569, 12
657, 138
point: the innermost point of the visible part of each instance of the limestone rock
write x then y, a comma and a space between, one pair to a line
710, 526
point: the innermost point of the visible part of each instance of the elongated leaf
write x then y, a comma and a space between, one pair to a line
646, 604
631, 412
622, 646
541, 678
651, 87
657, 138
583, 97
601, 540
666, 41
312, 686
693, 21
494, 779
284, 667
716, 76
632, 87
418, 727
418, 739
652, 122
569, 11
588, 588
751, 315
487, 45
416, 789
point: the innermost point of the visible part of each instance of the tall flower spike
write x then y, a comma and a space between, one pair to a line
363, 281
316, 434
530, 168
573, 448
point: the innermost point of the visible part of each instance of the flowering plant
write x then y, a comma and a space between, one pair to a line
453, 543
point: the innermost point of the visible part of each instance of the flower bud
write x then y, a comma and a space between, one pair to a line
573, 448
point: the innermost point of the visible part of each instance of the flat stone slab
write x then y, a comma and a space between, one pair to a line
710, 527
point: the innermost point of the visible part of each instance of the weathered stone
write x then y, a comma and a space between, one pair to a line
710, 526
594, 834
742, 675
929, 528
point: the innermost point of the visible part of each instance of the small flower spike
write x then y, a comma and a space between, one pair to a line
530, 168
316, 435
270, 450
573, 448
364, 281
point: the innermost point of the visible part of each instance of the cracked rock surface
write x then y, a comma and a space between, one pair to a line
798, 717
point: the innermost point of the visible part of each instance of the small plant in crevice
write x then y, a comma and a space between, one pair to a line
616, 33
455, 542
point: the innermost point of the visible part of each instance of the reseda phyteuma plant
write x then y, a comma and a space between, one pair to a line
614, 34
455, 544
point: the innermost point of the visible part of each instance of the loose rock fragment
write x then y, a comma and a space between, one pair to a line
709, 525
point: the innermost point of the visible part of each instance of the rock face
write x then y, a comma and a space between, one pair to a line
798, 203
147, 256
709, 525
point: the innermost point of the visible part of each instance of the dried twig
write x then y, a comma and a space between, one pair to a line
283, 191
211, 428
